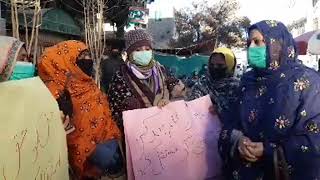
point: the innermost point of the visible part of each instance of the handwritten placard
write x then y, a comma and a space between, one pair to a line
32, 137
178, 141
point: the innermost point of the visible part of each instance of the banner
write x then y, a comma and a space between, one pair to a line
32, 136
178, 141
138, 15
182, 66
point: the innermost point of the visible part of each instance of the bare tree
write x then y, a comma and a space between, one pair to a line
31, 12
94, 34
204, 21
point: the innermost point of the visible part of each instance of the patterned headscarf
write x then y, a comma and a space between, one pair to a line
9, 51
281, 48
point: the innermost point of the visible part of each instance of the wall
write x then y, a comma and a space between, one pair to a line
316, 15
162, 31
2, 19
2, 27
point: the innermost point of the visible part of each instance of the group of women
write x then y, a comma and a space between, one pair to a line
270, 117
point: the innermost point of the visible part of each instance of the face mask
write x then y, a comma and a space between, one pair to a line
218, 73
257, 57
86, 66
23, 70
142, 58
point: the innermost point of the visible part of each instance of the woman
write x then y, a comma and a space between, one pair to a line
272, 131
66, 68
13, 62
142, 82
15, 65
111, 64
219, 81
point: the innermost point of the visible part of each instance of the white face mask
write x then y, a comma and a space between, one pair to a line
142, 58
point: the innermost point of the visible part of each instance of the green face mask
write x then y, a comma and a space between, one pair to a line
257, 57
142, 58
23, 70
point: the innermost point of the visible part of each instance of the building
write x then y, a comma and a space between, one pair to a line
315, 18
2, 19
161, 24
162, 31
56, 26
310, 22
305, 22
298, 27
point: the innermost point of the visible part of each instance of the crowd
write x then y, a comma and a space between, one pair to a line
270, 116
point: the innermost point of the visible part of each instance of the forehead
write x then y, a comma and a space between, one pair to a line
255, 34
143, 47
217, 57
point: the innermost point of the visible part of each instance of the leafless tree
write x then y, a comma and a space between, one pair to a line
94, 33
31, 12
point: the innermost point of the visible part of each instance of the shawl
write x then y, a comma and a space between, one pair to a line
150, 97
91, 115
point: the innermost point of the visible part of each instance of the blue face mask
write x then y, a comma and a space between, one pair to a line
23, 70
257, 57
142, 58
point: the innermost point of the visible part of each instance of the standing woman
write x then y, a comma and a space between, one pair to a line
272, 132
66, 68
219, 81
14, 64
142, 82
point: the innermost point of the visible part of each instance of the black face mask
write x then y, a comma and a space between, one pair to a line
114, 54
86, 66
218, 73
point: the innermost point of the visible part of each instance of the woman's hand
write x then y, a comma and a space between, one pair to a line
245, 151
255, 148
163, 102
68, 127
179, 90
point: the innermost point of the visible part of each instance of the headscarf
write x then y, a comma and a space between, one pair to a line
91, 114
281, 47
229, 58
9, 51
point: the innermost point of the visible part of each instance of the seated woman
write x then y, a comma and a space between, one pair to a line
66, 68
272, 131
219, 81
142, 82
